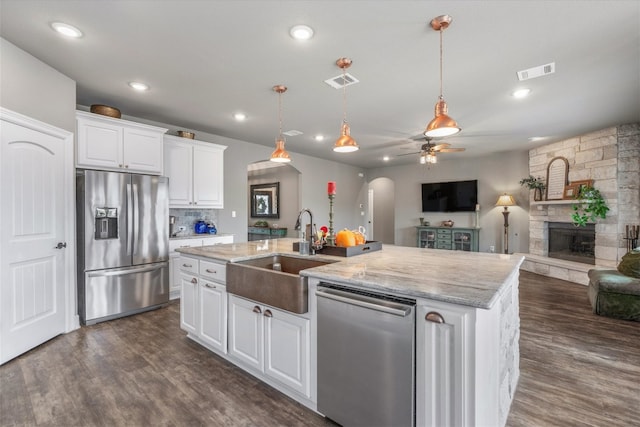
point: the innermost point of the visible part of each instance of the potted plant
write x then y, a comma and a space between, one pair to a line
535, 184
590, 206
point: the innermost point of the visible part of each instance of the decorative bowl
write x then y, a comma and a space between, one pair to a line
447, 223
185, 134
105, 110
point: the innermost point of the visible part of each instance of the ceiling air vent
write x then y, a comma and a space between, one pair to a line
539, 71
339, 82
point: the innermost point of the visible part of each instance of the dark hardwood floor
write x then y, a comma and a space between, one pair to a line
577, 369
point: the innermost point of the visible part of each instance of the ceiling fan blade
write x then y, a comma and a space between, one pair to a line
408, 154
441, 146
451, 150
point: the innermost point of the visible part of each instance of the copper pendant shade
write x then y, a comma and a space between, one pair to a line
280, 155
345, 144
442, 125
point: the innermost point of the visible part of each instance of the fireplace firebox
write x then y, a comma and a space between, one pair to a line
571, 243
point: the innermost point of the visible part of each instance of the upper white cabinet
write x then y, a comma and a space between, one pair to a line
196, 173
115, 144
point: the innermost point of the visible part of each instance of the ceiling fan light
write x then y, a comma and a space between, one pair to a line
345, 144
442, 125
280, 155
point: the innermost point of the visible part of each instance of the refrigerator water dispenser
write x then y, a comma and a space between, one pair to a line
106, 223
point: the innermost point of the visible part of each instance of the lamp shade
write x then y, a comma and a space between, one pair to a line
442, 125
280, 155
345, 144
506, 200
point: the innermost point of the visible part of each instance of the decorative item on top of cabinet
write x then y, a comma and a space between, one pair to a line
196, 173
105, 143
452, 238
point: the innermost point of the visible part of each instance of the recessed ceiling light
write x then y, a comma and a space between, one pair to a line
538, 138
301, 32
319, 138
240, 117
521, 93
66, 29
386, 158
140, 87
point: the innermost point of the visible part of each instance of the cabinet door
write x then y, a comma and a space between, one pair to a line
287, 351
178, 166
174, 275
246, 330
208, 176
442, 365
99, 145
213, 315
188, 303
462, 240
142, 150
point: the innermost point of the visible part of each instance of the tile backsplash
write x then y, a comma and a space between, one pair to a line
188, 217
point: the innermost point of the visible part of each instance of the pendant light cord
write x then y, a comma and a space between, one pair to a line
280, 114
344, 95
441, 30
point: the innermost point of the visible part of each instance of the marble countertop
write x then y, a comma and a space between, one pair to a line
465, 278
199, 236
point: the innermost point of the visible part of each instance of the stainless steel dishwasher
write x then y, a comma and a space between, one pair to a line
366, 355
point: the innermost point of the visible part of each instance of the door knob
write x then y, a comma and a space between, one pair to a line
60, 245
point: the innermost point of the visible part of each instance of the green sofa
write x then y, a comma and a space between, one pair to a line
613, 294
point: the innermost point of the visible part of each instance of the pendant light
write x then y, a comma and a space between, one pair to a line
345, 144
280, 155
442, 125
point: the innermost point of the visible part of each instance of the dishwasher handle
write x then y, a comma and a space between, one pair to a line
365, 301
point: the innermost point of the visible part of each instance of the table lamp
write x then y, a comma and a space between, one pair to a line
506, 200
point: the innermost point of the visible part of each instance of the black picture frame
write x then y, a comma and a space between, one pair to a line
265, 200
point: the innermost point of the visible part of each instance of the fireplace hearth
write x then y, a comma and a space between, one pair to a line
571, 243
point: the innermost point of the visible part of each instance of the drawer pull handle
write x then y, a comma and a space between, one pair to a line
208, 270
185, 246
207, 285
187, 265
256, 309
434, 317
268, 313
194, 280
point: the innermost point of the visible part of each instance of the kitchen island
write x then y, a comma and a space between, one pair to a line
467, 362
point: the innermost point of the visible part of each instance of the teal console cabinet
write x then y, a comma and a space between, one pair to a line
451, 238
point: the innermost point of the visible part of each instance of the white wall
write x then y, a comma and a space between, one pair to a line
496, 174
29, 86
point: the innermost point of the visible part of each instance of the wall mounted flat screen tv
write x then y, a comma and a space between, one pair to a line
457, 196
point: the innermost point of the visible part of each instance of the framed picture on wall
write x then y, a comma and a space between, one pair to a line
265, 200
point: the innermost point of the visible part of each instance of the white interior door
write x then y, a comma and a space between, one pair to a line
33, 256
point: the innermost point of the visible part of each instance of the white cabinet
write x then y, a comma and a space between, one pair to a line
188, 302
113, 144
196, 173
271, 341
203, 302
174, 257
213, 315
443, 370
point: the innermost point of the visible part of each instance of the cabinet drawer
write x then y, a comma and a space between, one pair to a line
444, 245
183, 243
214, 271
443, 232
189, 265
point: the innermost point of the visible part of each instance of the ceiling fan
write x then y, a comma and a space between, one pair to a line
428, 151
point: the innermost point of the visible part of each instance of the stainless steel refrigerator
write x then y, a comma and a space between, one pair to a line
123, 244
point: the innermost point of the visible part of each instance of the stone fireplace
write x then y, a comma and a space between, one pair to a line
611, 158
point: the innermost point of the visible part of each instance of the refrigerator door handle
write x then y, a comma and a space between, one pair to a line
120, 271
129, 220
136, 219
